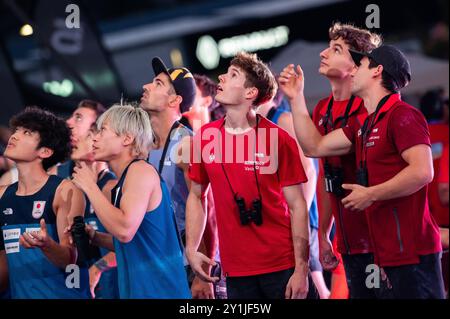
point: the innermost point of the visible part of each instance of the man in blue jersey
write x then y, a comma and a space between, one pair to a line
36, 210
138, 212
102, 286
79, 123
170, 94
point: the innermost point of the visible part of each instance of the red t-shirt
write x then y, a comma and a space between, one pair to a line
443, 167
250, 249
442, 219
439, 138
402, 228
352, 231
439, 133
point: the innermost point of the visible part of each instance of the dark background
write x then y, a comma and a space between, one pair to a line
106, 70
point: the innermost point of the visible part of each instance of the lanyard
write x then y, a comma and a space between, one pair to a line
254, 162
329, 117
166, 146
367, 128
271, 113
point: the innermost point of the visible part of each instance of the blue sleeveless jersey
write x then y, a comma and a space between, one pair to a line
107, 287
89, 214
151, 264
172, 175
275, 113
31, 274
65, 170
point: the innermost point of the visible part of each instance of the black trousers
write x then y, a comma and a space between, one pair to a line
419, 281
355, 273
265, 286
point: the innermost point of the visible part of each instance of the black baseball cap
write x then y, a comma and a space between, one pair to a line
393, 60
182, 80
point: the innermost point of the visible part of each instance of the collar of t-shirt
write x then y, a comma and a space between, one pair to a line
392, 100
339, 107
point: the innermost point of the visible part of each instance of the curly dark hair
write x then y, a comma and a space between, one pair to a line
207, 87
53, 132
357, 39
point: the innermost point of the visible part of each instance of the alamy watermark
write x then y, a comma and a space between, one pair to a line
73, 276
373, 19
256, 149
376, 276
73, 19
373, 277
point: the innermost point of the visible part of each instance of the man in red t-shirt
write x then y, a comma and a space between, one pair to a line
394, 167
333, 112
255, 173
442, 180
435, 109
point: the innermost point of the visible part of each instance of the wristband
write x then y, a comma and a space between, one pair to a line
102, 265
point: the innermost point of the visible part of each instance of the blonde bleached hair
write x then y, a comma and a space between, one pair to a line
130, 119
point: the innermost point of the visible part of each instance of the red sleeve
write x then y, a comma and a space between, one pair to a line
408, 128
197, 171
321, 172
290, 168
352, 128
443, 166
316, 114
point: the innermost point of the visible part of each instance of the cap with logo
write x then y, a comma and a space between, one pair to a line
182, 81
393, 60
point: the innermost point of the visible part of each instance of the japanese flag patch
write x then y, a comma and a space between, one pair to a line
38, 209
